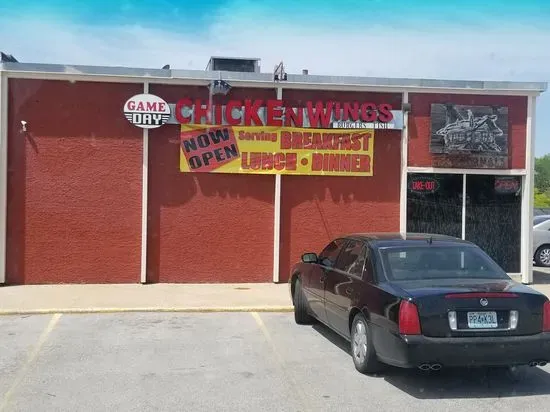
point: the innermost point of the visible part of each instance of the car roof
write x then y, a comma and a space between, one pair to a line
401, 239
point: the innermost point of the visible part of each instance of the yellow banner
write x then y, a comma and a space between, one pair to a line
276, 150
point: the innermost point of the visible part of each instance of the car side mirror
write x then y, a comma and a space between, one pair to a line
310, 258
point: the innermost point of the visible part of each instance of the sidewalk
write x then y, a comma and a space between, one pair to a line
542, 288
257, 297
253, 297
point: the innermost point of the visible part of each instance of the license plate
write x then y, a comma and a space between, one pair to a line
482, 320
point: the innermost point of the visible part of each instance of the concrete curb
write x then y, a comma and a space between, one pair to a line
6, 312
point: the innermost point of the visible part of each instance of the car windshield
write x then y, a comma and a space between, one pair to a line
439, 262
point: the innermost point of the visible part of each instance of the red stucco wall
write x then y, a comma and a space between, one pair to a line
74, 184
314, 209
206, 227
74, 189
419, 124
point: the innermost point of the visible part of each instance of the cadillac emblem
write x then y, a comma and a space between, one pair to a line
483, 302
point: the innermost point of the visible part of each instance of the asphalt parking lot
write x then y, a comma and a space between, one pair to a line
223, 362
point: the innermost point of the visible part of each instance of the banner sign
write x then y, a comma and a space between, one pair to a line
276, 150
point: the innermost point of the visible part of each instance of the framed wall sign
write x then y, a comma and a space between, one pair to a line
466, 136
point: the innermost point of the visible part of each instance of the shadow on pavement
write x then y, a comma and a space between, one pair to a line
468, 383
453, 383
540, 277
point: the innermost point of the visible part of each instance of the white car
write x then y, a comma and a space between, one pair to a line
541, 240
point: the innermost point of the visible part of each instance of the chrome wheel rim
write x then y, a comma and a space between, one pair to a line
360, 342
545, 256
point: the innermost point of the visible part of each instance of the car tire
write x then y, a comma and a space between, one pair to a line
301, 313
542, 256
362, 348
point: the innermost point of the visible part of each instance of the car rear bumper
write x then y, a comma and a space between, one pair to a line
413, 351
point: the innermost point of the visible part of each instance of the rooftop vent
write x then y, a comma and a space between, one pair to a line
233, 64
7, 58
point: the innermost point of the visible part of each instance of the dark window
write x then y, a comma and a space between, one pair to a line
352, 258
368, 274
330, 253
439, 262
493, 221
437, 210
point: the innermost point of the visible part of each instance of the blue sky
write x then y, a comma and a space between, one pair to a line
489, 40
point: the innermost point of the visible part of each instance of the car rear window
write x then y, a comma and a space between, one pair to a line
439, 262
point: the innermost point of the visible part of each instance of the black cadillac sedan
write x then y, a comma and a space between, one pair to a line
421, 301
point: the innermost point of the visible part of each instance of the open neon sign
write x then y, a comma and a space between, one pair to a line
506, 184
423, 185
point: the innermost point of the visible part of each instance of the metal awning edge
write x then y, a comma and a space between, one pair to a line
292, 79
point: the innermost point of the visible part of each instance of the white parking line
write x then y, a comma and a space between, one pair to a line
30, 359
295, 387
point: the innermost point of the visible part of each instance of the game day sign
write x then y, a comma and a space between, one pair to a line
276, 150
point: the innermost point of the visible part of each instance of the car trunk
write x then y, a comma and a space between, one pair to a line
478, 307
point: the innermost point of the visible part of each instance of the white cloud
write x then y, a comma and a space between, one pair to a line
520, 53
371, 50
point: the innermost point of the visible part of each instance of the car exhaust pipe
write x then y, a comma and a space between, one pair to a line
430, 366
538, 363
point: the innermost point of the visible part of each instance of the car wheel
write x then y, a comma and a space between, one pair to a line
301, 315
542, 257
362, 348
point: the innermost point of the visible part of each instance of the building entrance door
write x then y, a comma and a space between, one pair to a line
484, 209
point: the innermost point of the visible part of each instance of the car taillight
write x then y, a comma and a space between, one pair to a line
546, 317
409, 321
